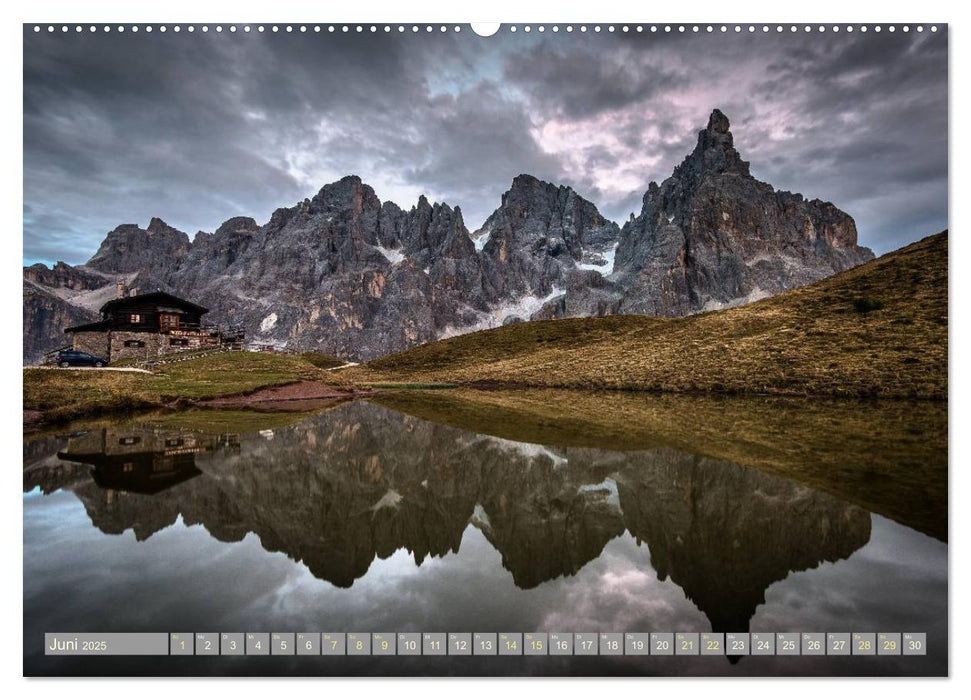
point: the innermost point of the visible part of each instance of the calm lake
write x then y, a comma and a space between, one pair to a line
512, 512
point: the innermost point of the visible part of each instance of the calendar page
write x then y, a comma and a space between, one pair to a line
526, 349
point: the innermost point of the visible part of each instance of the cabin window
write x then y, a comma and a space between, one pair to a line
135, 318
168, 322
129, 440
134, 343
178, 341
174, 442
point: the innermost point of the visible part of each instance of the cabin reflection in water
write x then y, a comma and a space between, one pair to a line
142, 460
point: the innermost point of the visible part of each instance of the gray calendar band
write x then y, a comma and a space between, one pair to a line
107, 644
487, 644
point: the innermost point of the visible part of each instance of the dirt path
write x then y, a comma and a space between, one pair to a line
134, 370
299, 393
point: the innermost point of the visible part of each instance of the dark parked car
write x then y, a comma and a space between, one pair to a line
76, 358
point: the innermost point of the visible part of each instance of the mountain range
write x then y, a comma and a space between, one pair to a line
347, 274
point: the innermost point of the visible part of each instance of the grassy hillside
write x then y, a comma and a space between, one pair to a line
877, 330
64, 394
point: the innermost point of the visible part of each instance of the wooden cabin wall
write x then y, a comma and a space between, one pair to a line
149, 314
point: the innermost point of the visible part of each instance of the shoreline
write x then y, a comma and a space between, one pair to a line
307, 395
294, 396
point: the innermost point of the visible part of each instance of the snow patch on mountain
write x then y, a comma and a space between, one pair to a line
390, 499
529, 450
267, 324
394, 256
522, 308
608, 486
480, 518
606, 266
480, 241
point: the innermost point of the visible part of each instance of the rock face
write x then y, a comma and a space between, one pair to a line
153, 251
538, 235
341, 272
712, 236
348, 274
46, 315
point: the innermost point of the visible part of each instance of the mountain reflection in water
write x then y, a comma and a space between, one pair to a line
337, 490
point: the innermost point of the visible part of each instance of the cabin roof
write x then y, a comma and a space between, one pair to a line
154, 298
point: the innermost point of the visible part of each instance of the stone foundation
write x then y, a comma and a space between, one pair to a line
125, 345
120, 345
93, 343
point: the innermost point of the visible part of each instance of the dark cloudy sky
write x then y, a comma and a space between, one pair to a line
196, 128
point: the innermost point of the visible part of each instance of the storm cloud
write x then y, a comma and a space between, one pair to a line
196, 128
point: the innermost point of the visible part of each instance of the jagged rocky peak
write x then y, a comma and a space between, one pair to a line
420, 218
64, 276
213, 253
347, 194
456, 242
715, 152
157, 227
548, 218
529, 197
446, 224
424, 232
713, 155
238, 224
129, 248
712, 236
335, 221
231, 228
390, 220
526, 186
538, 235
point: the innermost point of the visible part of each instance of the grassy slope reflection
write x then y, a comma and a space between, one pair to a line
888, 457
